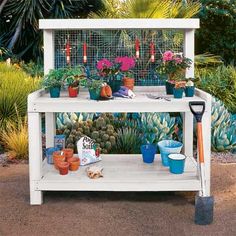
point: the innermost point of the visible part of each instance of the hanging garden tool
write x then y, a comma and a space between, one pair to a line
204, 204
84, 53
137, 49
152, 51
67, 51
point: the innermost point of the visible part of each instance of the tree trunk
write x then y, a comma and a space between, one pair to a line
2, 5
15, 36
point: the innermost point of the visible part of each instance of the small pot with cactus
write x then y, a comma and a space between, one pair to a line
72, 78
53, 82
179, 89
189, 88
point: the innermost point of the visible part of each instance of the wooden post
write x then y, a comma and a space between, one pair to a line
189, 50
35, 156
188, 133
50, 128
48, 42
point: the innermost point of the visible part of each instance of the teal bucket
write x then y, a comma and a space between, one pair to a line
189, 91
115, 85
167, 147
176, 163
148, 152
55, 92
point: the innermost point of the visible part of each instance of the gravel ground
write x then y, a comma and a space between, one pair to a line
107, 213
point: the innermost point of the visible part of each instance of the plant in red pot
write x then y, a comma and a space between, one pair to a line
173, 65
125, 66
72, 78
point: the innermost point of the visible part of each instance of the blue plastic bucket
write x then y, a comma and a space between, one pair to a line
49, 153
167, 147
176, 163
148, 151
55, 92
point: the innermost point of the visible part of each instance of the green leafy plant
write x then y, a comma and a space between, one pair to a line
15, 85
94, 84
53, 79
128, 141
219, 82
217, 18
73, 76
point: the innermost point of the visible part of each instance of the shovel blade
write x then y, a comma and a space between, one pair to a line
204, 207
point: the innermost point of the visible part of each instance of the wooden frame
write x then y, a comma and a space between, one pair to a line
44, 178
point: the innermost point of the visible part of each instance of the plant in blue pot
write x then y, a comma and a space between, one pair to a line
189, 88
179, 89
53, 82
94, 87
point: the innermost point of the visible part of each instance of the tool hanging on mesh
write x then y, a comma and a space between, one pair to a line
67, 50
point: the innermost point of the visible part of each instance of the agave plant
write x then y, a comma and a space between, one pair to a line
156, 127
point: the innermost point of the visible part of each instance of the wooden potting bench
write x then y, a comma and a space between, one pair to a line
121, 172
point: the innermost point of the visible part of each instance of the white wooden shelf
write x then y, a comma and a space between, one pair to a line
122, 173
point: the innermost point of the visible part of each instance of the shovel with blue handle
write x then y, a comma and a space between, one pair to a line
204, 204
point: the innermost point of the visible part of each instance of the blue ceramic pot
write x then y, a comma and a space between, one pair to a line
169, 87
55, 92
148, 151
189, 91
177, 163
167, 147
178, 93
94, 94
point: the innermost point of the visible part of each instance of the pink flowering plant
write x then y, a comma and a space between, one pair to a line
125, 64
173, 64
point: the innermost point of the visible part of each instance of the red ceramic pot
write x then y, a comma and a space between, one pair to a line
73, 91
69, 152
128, 82
58, 156
63, 168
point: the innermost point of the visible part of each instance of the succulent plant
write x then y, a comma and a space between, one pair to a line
128, 141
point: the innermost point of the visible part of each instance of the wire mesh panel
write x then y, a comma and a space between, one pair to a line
110, 44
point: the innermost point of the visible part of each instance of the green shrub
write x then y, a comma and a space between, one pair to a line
217, 33
219, 82
15, 85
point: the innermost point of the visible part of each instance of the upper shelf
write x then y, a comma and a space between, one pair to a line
40, 101
118, 24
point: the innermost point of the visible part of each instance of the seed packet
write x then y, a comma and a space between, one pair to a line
87, 151
59, 141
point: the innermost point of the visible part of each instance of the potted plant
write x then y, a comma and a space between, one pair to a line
53, 82
189, 88
173, 66
94, 87
179, 89
110, 73
125, 64
72, 78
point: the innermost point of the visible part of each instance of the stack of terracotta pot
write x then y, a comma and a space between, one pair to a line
64, 161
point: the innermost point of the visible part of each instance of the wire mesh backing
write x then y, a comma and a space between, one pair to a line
110, 44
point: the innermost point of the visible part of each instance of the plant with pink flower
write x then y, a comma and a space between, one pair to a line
104, 64
173, 65
125, 64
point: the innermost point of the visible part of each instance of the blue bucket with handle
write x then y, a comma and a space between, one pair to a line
167, 147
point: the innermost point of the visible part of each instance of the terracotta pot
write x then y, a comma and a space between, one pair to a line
106, 91
73, 91
69, 152
128, 82
58, 156
74, 163
63, 168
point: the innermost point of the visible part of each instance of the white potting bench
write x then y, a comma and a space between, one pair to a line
121, 172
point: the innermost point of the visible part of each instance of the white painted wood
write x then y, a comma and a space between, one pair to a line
189, 50
118, 23
48, 42
123, 173
50, 123
188, 133
35, 156
141, 103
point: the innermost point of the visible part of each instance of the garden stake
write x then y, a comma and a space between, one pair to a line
85, 53
203, 204
137, 46
68, 51
152, 52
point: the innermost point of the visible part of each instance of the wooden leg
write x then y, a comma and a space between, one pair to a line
35, 156
188, 133
206, 129
50, 128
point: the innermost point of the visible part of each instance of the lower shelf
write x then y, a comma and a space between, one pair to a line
123, 173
